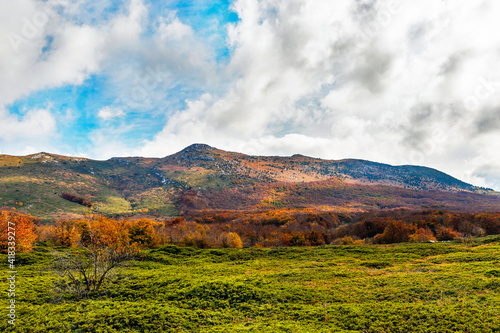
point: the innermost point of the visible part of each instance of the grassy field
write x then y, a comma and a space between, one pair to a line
442, 287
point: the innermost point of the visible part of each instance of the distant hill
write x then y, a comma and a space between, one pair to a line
203, 177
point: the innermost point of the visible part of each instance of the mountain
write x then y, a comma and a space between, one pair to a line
299, 168
202, 177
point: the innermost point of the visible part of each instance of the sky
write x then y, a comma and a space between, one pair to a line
392, 81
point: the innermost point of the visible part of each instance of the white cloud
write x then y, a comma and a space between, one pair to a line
171, 29
47, 45
35, 123
48, 51
107, 113
391, 81
52, 48
123, 32
364, 79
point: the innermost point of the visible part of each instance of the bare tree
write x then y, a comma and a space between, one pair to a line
103, 246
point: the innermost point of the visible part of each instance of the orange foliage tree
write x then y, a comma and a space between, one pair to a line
66, 232
232, 240
142, 233
21, 229
104, 244
395, 232
446, 234
422, 235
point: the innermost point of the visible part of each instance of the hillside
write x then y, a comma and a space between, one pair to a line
203, 177
299, 168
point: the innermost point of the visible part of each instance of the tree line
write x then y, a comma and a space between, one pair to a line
271, 228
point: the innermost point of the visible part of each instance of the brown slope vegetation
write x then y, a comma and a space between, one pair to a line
334, 195
298, 168
203, 177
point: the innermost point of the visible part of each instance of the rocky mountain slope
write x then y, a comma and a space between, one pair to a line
298, 168
203, 177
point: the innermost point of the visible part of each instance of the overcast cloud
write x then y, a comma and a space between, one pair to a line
391, 81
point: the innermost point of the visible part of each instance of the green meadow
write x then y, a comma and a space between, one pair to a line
425, 287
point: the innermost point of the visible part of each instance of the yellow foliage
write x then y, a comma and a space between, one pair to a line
20, 227
142, 232
422, 235
232, 240
347, 241
66, 233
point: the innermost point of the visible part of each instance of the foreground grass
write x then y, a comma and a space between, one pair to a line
398, 288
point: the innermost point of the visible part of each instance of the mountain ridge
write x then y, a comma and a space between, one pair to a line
204, 149
204, 177
356, 163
